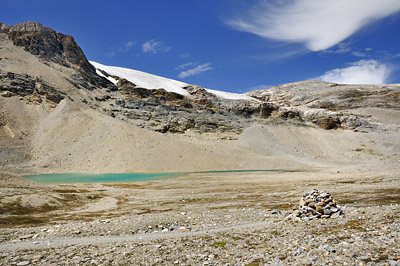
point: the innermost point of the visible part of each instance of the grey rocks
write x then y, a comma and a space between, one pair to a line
55, 47
29, 26
4, 27
32, 89
317, 204
330, 105
48, 44
365, 236
163, 111
23, 263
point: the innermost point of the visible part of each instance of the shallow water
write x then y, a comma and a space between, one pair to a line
122, 177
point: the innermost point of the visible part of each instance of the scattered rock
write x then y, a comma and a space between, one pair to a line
26, 236
23, 263
183, 229
330, 249
276, 212
365, 258
6, 94
36, 258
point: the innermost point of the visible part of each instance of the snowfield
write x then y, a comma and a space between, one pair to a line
149, 81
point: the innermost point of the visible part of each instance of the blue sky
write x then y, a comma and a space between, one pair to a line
230, 45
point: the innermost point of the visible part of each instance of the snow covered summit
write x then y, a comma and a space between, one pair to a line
149, 81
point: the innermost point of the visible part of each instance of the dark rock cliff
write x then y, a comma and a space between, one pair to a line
32, 89
52, 46
49, 45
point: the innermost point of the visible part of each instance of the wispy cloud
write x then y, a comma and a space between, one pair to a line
154, 47
358, 54
361, 72
185, 55
341, 48
198, 69
186, 65
127, 46
317, 24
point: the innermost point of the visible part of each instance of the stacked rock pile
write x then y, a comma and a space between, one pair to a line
317, 204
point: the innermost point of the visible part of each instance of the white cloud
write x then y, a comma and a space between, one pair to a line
358, 54
127, 46
151, 46
195, 71
319, 24
183, 66
341, 48
185, 55
361, 72
111, 54
154, 47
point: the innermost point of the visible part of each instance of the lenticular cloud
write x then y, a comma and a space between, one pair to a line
316, 23
361, 72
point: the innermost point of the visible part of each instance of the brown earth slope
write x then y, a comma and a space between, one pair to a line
58, 115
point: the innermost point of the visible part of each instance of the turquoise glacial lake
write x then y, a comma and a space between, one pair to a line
99, 178
126, 177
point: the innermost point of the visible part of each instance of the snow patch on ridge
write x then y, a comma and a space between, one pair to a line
229, 95
143, 80
149, 81
113, 80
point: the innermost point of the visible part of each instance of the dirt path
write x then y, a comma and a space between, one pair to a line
63, 242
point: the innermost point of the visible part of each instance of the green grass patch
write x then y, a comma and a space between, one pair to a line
219, 244
256, 263
355, 225
19, 220
15, 207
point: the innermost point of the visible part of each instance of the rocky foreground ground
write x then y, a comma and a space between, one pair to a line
229, 219
365, 236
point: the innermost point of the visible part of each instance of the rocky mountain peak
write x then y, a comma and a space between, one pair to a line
4, 27
52, 46
30, 26
49, 45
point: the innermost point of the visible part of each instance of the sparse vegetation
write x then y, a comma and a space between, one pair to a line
255, 263
15, 207
219, 244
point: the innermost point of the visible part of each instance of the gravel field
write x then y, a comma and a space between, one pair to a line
229, 220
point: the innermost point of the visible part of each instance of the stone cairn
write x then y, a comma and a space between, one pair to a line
317, 204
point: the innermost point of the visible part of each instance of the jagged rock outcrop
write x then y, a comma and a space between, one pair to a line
49, 44
33, 89
331, 105
4, 27
164, 111
52, 46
